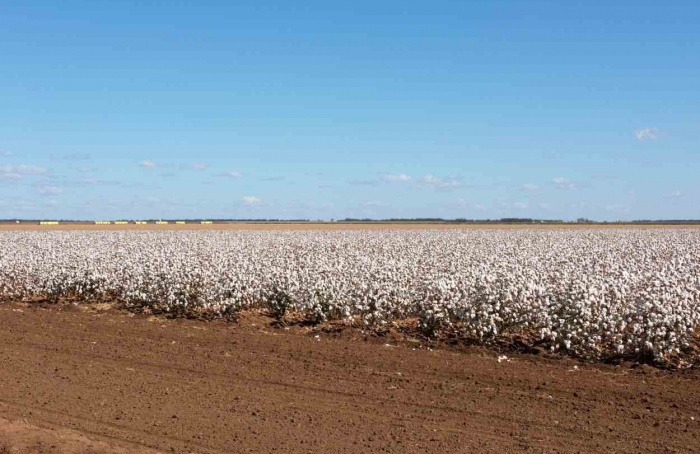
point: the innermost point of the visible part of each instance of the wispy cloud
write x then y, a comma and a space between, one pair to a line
234, 175
199, 166
10, 172
5, 153
393, 178
98, 181
649, 133
563, 183
10, 176
529, 187
49, 190
676, 194
521, 205
148, 164
23, 169
251, 200
434, 182
382, 178
372, 204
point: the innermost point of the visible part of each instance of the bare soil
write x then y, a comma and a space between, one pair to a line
77, 379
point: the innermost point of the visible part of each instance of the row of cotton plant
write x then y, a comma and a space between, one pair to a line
590, 293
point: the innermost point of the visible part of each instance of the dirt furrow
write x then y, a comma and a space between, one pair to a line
130, 383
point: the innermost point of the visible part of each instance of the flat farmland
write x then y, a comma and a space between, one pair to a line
189, 338
86, 379
331, 226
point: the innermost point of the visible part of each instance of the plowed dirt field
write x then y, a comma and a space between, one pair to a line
76, 379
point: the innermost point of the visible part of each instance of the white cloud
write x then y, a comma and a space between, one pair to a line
649, 133
251, 200
530, 187
21, 170
521, 205
98, 181
14, 173
429, 179
563, 183
383, 177
148, 164
676, 194
5, 153
30, 170
199, 166
372, 203
231, 174
10, 176
393, 178
439, 183
49, 190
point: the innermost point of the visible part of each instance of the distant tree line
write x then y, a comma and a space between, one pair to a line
379, 221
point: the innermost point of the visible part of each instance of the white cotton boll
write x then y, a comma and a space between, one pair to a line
613, 289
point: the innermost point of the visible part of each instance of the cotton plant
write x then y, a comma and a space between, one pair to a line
587, 292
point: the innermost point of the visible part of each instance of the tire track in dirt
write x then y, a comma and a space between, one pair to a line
214, 387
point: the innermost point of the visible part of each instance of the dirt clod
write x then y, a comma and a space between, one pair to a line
63, 381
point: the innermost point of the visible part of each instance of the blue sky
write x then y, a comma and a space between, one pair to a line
317, 109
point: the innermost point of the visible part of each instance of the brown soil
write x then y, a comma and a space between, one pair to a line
84, 379
22, 437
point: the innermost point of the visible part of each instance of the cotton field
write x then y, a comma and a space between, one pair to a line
588, 293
